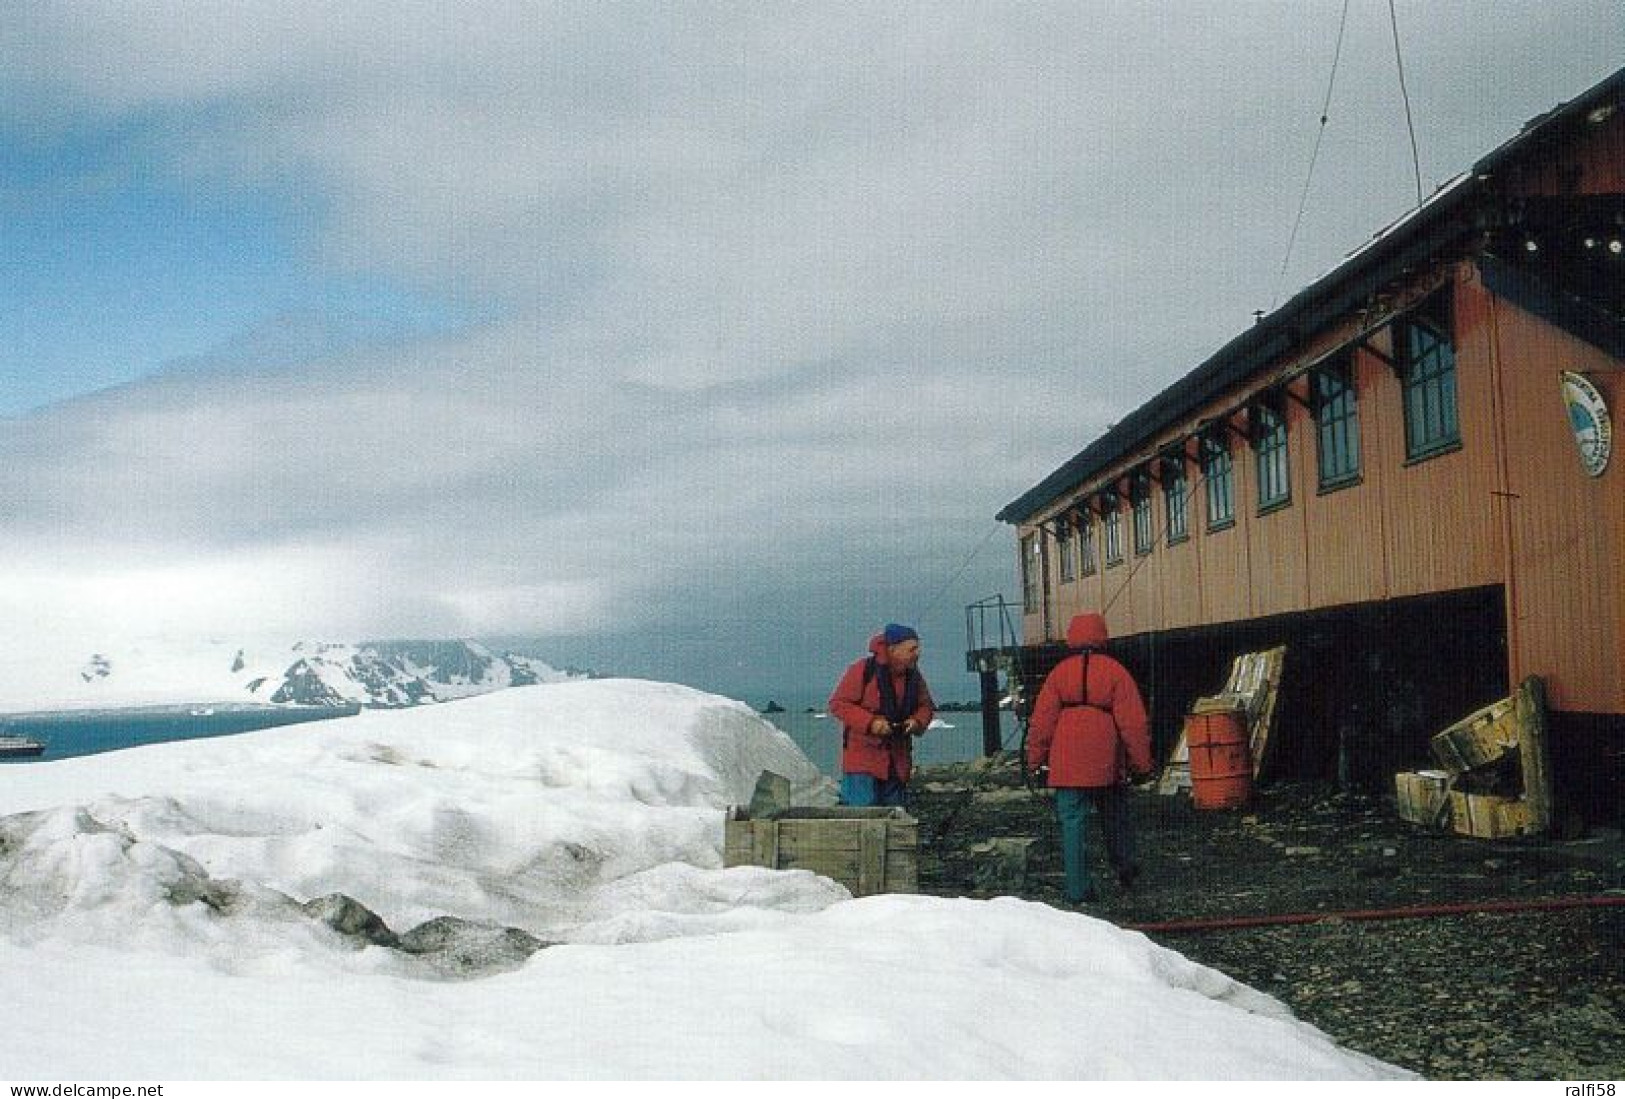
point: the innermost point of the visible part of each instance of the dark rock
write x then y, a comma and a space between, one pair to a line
466, 948
352, 919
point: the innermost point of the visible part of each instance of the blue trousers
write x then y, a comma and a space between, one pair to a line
866, 790
1072, 807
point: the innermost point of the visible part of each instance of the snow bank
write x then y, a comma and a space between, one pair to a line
168, 908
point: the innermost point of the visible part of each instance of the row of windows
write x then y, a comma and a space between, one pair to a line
1425, 361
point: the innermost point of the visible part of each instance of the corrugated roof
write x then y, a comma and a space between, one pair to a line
1437, 224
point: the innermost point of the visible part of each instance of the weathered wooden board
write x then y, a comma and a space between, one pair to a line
867, 850
1489, 816
1471, 749
1423, 797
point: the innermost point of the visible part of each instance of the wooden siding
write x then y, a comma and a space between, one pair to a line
1342, 525
1567, 602
1510, 503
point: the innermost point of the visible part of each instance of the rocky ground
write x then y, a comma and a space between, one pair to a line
1532, 994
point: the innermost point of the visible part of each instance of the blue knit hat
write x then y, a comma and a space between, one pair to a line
896, 635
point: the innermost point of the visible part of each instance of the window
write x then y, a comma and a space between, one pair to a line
1217, 474
1032, 574
1337, 423
1139, 494
1174, 498
1269, 446
1425, 353
1111, 519
1086, 542
1064, 536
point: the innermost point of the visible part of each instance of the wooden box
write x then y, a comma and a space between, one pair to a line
1423, 796
867, 850
1489, 816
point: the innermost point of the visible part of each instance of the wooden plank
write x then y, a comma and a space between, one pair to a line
1176, 773
1263, 715
1529, 705
766, 837
871, 857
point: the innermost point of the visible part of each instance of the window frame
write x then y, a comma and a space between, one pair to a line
1111, 523
1337, 424
1065, 550
1175, 502
1272, 460
1219, 484
1425, 360
1086, 543
1032, 573
1144, 521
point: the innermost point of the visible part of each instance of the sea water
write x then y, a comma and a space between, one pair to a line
954, 737
69, 733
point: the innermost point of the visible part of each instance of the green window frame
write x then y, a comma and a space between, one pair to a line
1032, 573
1425, 353
1337, 423
1270, 456
1111, 524
1139, 494
1218, 476
1175, 498
1086, 543
1068, 559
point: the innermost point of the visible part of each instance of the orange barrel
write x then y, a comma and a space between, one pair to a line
1221, 773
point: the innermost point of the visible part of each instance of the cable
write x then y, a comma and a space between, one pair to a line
1303, 200
1416, 159
931, 604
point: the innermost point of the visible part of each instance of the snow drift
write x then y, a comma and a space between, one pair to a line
557, 850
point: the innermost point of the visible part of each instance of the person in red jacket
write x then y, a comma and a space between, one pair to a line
882, 703
1089, 729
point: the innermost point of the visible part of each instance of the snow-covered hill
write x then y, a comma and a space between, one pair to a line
369, 673
374, 897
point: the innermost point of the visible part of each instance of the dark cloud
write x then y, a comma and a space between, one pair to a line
764, 312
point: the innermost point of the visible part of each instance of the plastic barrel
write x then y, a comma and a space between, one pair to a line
1221, 772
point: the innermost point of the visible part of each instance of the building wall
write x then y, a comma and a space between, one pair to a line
1566, 529
1510, 507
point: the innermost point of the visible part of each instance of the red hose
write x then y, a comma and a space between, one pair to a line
1227, 923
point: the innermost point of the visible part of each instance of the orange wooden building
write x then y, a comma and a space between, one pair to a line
1402, 474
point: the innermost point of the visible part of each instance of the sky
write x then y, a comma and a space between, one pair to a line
690, 341
152, 926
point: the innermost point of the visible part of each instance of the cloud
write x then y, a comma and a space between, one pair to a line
769, 309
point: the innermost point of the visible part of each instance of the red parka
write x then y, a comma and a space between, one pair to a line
856, 703
1089, 723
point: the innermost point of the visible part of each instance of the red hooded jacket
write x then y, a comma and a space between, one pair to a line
1089, 724
856, 703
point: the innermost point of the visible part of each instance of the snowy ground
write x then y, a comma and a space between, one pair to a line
153, 924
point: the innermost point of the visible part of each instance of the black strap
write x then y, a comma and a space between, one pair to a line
891, 708
1084, 701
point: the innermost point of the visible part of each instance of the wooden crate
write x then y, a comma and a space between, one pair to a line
1489, 816
1423, 796
867, 850
1480, 738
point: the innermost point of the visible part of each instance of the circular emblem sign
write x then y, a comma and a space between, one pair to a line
1588, 416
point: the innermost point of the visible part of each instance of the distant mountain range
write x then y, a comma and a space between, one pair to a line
367, 673
396, 673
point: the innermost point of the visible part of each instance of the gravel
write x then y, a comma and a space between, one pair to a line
1533, 994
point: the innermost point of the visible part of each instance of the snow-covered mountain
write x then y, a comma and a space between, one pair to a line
367, 673
397, 673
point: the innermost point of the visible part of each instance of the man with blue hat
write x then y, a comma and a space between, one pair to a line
882, 703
